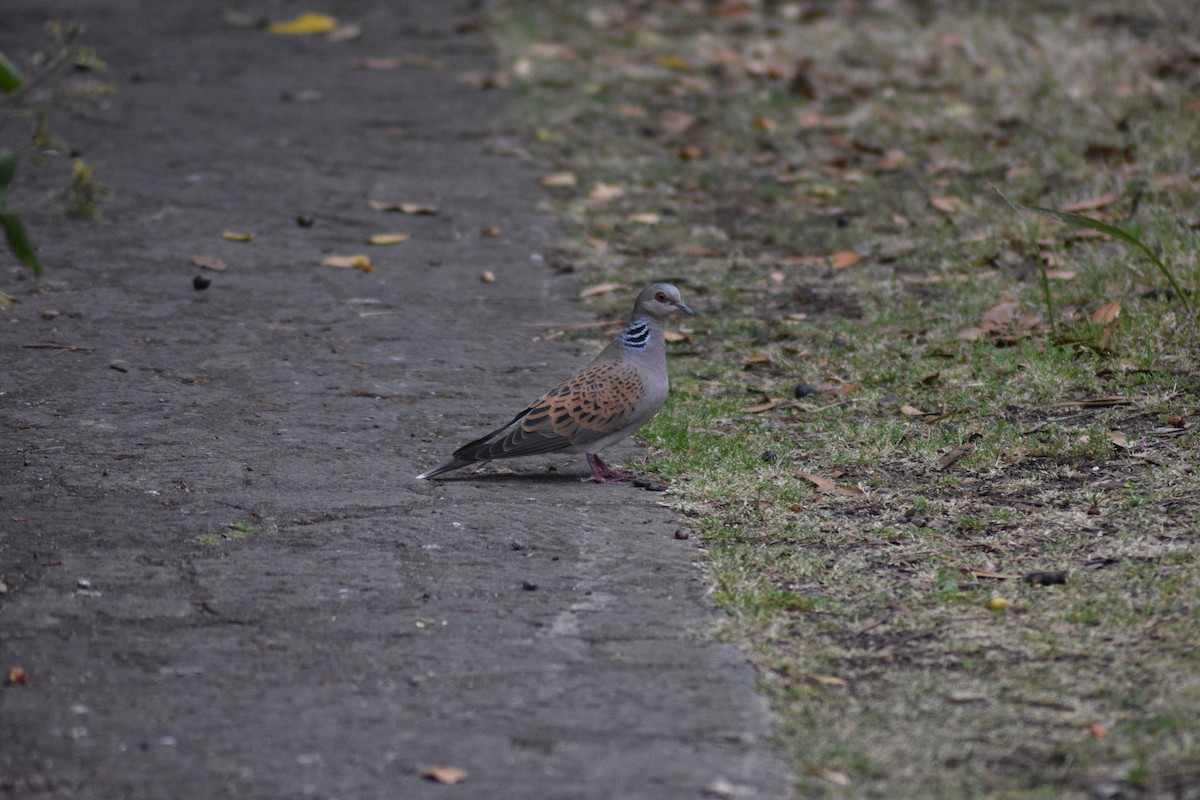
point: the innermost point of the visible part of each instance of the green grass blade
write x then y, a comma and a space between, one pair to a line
1080, 221
11, 78
18, 242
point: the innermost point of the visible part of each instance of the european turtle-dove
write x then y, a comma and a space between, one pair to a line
599, 405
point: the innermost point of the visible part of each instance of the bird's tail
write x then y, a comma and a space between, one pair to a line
452, 464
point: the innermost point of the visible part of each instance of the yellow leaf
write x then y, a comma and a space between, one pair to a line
672, 61
304, 25
998, 604
234, 236
388, 238
356, 261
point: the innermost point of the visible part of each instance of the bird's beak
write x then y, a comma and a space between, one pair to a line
684, 309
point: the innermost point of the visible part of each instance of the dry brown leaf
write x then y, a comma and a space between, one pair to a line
1098, 731
689, 153
676, 336
1091, 203
983, 573
601, 288
403, 208
356, 261
826, 680
674, 122
954, 455
630, 111
559, 180
839, 260
646, 218
966, 697
833, 776
1061, 274
913, 411
209, 262
444, 773
755, 360
1100, 402
826, 486
235, 236
947, 204
1107, 313
1119, 439
491, 232
697, 251
766, 405
890, 160
998, 316
387, 238
605, 192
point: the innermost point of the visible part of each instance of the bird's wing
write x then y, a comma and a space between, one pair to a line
595, 402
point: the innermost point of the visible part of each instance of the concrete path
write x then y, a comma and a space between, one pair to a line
542, 635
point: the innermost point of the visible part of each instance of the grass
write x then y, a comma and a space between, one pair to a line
231, 533
983, 396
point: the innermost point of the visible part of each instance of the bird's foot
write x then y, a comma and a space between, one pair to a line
603, 473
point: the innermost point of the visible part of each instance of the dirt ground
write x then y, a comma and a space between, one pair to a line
220, 576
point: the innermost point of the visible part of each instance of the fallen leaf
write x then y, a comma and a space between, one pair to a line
356, 261
672, 61
487, 276
890, 160
998, 316
674, 122
947, 204
1098, 731
490, 233
304, 25
826, 680
826, 486
913, 411
1091, 203
833, 776
1061, 274
839, 260
764, 124
234, 236
646, 218
1107, 313
17, 676
1119, 439
388, 238
954, 455
759, 408
983, 573
403, 208
443, 773
559, 180
601, 288
605, 193
209, 262
689, 153
747, 360
1099, 402
966, 697
697, 251
676, 336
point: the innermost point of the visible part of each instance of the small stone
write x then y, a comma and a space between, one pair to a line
682, 533
769, 456
304, 221
50, 313
805, 389
200, 283
529, 586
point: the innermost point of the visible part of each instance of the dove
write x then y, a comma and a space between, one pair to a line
597, 406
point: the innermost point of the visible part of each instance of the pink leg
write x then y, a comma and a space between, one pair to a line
601, 472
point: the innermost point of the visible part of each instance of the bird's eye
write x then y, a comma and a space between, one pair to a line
661, 297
